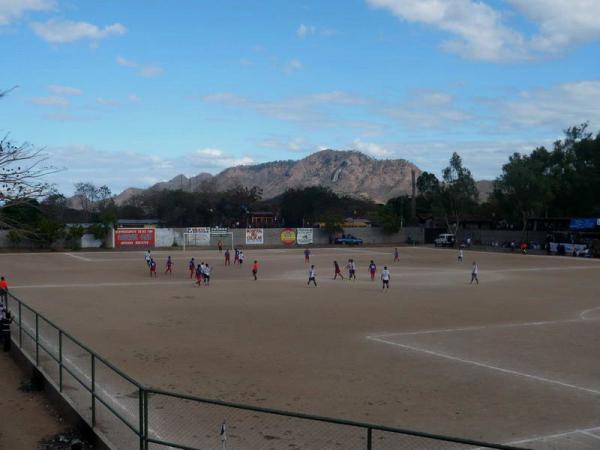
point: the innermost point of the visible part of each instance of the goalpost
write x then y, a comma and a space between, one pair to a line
207, 240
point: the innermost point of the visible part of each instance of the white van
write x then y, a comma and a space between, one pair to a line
445, 240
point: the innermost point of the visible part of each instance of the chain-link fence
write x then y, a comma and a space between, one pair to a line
129, 415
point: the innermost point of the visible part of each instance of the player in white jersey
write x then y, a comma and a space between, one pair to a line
385, 278
312, 275
474, 273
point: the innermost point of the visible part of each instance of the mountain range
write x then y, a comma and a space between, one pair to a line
345, 172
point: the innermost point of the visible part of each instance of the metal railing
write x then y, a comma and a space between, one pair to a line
127, 414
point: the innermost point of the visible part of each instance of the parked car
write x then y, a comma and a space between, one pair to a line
348, 239
445, 240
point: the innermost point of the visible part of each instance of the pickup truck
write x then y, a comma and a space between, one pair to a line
445, 240
348, 239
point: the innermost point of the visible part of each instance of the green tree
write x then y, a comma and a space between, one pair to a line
525, 188
458, 193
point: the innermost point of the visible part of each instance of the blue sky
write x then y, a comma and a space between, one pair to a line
130, 93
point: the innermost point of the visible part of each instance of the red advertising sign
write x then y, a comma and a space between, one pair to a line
288, 236
134, 237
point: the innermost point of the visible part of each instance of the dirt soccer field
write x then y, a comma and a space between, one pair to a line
514, 359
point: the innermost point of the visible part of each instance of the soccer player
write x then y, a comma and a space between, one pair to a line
202, 271
306, 256
227, 256
396, 255
337, 270
474, 273
192, 267
148, 257
206, 274
220, 245
236, 257
312, 276
169, 265
372, 270
3, 291
385, 278
153, 268
351, 269
255, 269
199, 275
241, 261
461, 254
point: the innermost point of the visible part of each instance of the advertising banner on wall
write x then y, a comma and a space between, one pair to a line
304, 236
254, 236
198, 235
134, 237
288, 236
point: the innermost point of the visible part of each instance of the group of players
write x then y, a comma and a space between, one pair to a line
201, 272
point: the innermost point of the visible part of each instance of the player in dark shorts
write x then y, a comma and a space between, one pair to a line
255, 270
206, 274
198, 275
351, 269
192, 267
372, 270
236, 256
385, 278
227, 256
169, 265
153, 269
337, 271
220, 245
396, 255
312, 275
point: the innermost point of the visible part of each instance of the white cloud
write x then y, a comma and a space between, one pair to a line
143, 70
555, 107
83, 162
561, 23
210, 152
64, 31
126, 62
480, 31
427, 109
150, 71
51, 100
64, 90
107, 101
14, 9
294, 144
133, 98
304, 30
372, 149
293, 65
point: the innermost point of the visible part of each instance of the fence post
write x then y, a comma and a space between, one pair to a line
37, 340
145, 419
60, 361
93, 390
20, 326
369, 438
141, 417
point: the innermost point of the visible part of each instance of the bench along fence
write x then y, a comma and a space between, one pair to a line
129, 415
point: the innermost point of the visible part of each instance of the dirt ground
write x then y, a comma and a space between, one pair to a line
25, 417
512, 360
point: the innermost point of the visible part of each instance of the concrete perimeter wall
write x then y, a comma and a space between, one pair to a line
486, 237
165, 237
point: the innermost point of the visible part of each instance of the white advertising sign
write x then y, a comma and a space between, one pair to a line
254, 236
304, 236
198, 235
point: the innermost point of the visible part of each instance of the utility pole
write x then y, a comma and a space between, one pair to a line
413, 200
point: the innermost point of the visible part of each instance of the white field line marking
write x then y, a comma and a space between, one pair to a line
81, 258
586, 431
107, 394
483, 327
502, 253
486, 366
583, 314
